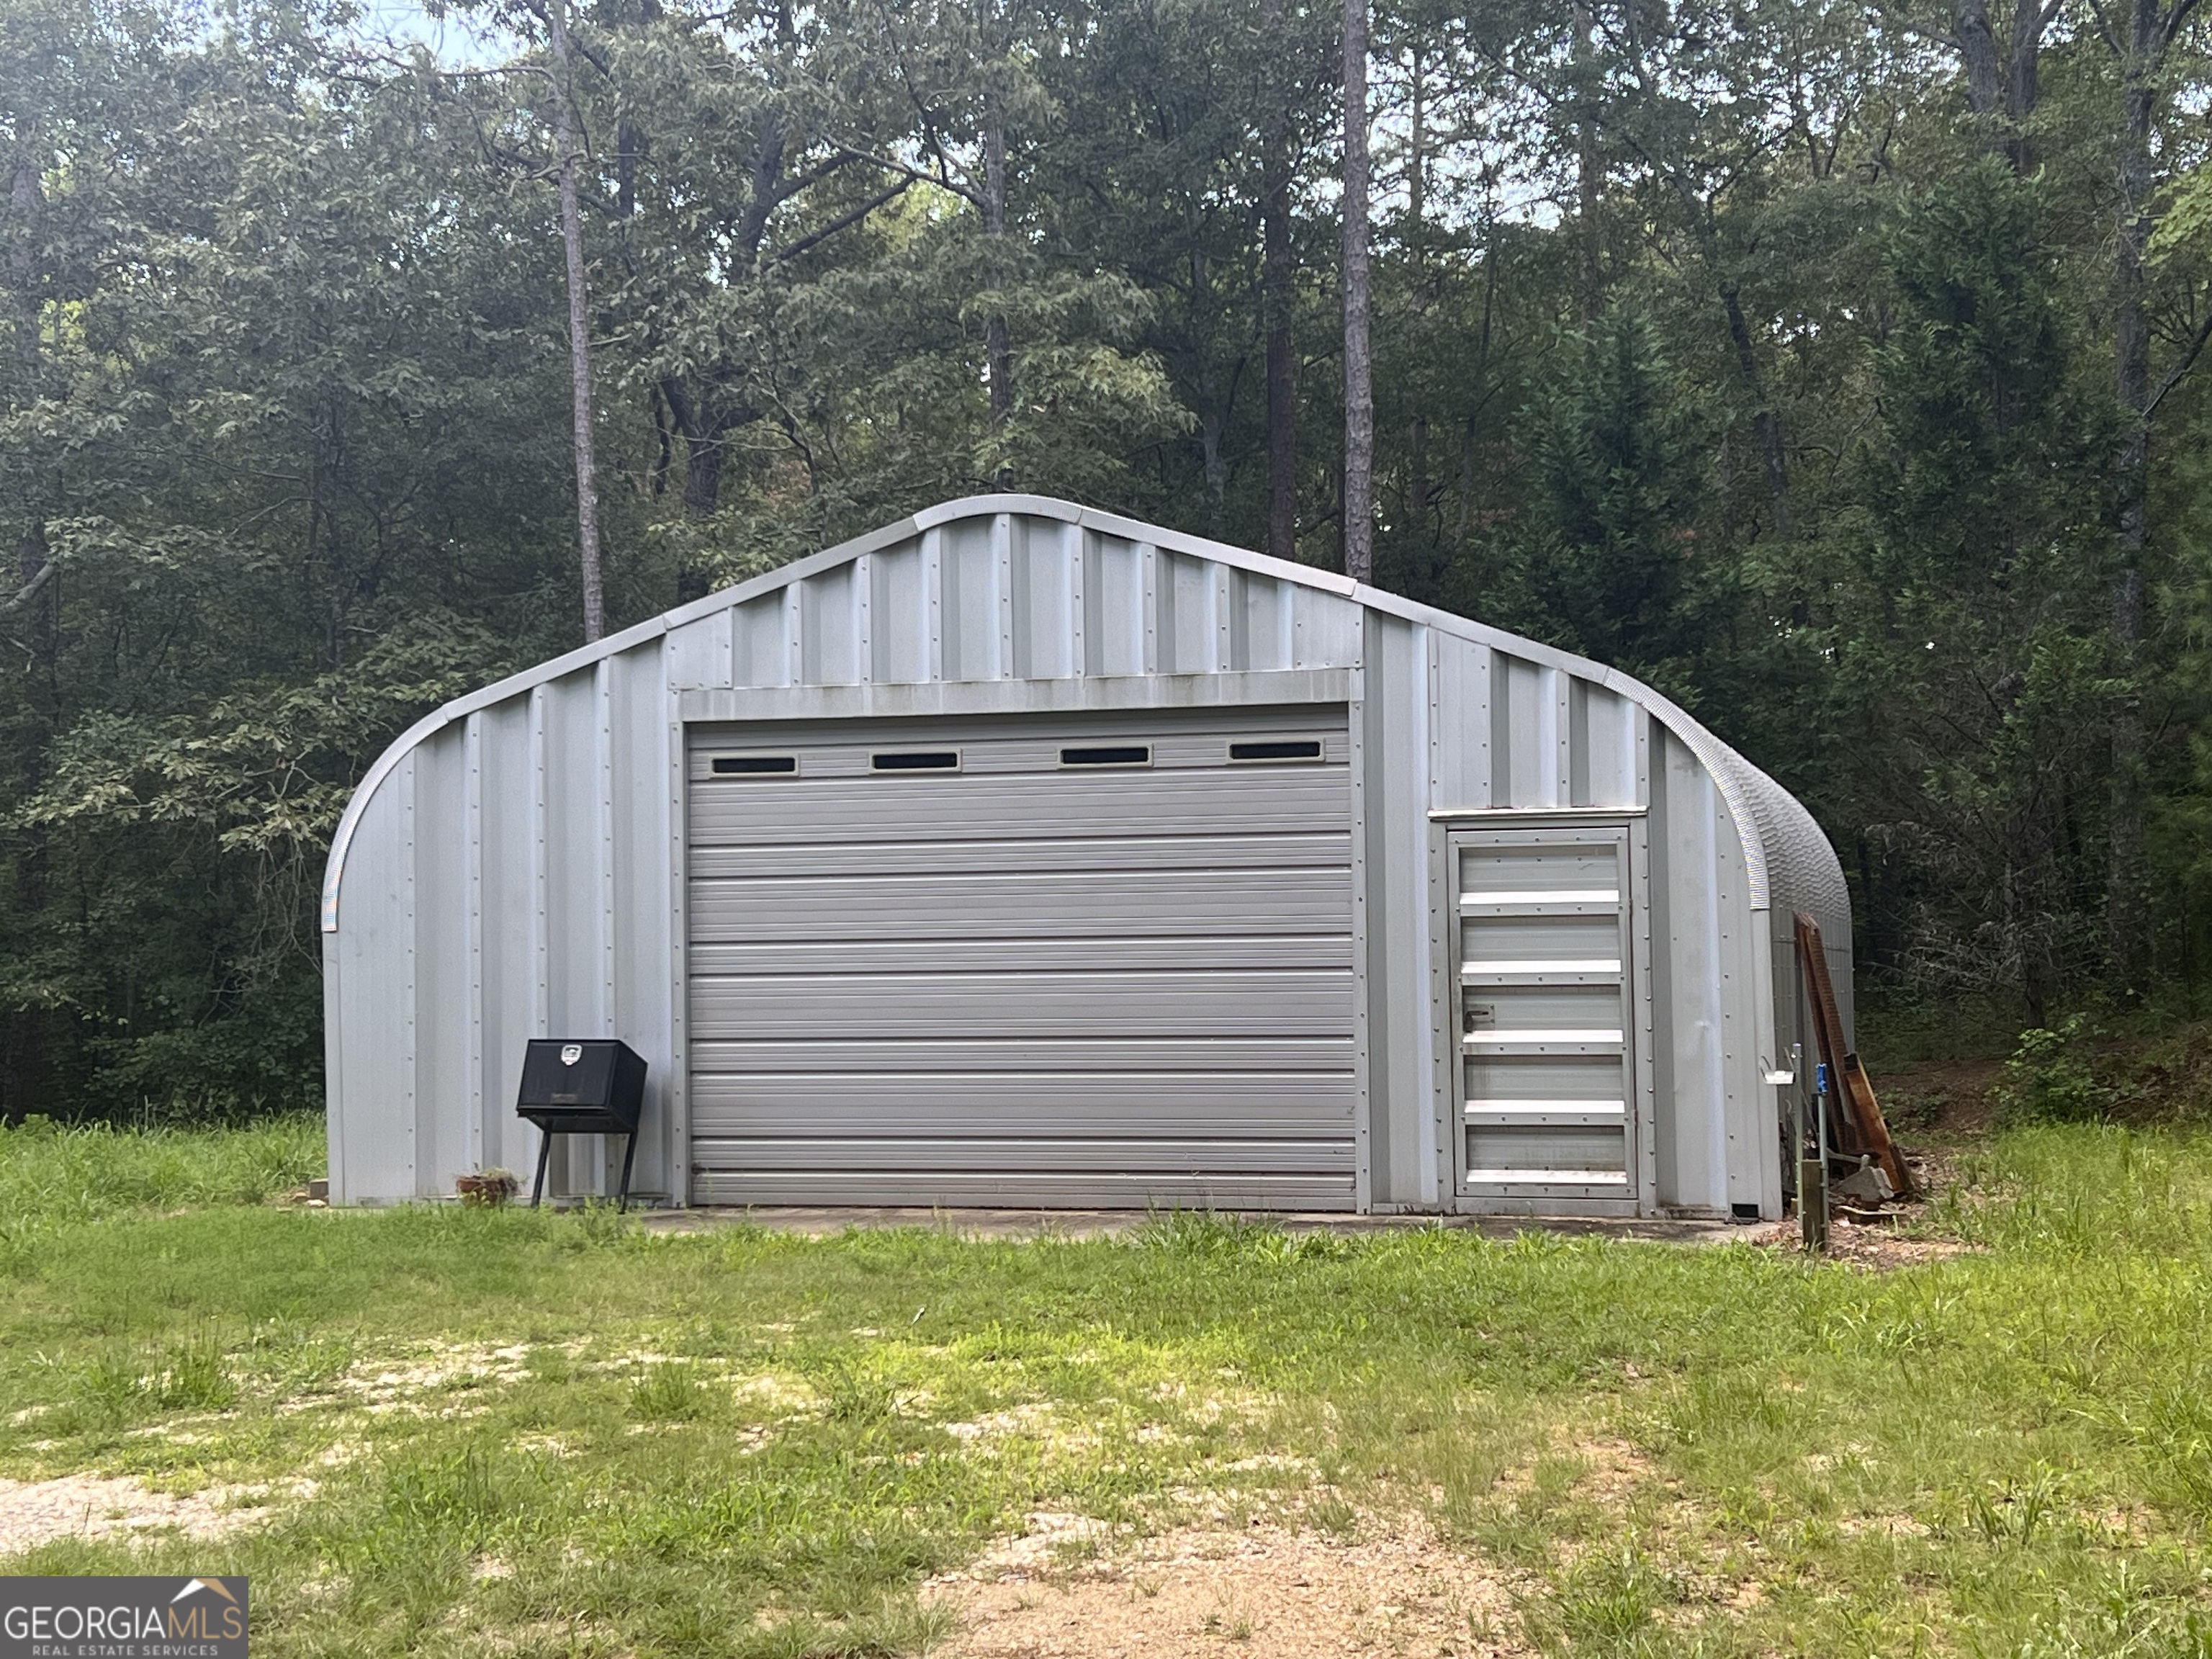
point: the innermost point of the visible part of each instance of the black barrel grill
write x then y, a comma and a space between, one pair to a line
581, 1086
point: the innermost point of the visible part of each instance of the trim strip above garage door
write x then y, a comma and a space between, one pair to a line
1088, 694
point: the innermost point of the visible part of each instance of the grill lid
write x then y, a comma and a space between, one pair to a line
565, 1079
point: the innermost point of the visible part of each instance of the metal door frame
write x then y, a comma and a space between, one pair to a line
1446, 836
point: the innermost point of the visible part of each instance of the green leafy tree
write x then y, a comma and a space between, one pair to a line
1606, 560
1973, 644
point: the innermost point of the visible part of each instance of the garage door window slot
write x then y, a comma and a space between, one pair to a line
916, 760
755, 766
1126, 754
1298, 749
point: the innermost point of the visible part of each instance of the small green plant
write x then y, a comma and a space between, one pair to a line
1607, 1602
596, 1225
670, 1392
2054, 1077
853, 1392
1332, 1514
489, 1189
450, 1494
194, 1375
2015, 1511
191, 1374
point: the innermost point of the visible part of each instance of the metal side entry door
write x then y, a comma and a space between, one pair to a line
1544, 1000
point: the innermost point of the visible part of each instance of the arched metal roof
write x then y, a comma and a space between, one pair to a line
1788, 862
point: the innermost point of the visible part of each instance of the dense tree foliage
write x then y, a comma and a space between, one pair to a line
1834, 366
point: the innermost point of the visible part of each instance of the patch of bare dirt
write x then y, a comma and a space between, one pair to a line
1615, 1469
1878, 1249
35, 1512
1937, 1099
1289, 1595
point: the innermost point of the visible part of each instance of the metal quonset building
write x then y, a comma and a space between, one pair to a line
1018, 854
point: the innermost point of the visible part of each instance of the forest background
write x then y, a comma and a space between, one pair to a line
1834, 366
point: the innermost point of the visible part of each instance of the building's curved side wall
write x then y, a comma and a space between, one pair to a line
519, 870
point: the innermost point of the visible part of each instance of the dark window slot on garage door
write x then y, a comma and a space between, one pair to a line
1307, 749
1126, 754
916, 760
754, 766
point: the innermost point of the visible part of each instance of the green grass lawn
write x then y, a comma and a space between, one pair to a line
452, 1431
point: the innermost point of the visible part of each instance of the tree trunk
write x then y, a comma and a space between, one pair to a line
2127, 912
1215, 466
1276, 277
23, 1082
1765, 423
1359, 363
1418, 490
2029, 19
998, 348
1588, 173
2001, 74
579, 336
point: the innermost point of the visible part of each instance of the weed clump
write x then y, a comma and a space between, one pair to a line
119, 1387
669, 1393
2056, 1076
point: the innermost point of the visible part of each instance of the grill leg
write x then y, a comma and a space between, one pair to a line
544, 1151
629, 1155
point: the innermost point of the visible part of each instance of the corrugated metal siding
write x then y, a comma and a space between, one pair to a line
514, 865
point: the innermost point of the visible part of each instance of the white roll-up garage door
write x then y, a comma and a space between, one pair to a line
1105, 961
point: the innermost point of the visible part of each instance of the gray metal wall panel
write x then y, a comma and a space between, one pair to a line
1264, 624
1114, 626
1325, 632
699, 652
442, 979
1524, 725
967, 614
1401, 1103
576, 895
1044, 564
642, 945
1601, 747
509, 855
1746, 1106
761, 641
374, 1042
578, 881
1692, 1150
899, 619
337, 1116
1459, 734
829, 631
1191, 612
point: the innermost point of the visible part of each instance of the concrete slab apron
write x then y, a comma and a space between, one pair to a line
819, 1221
